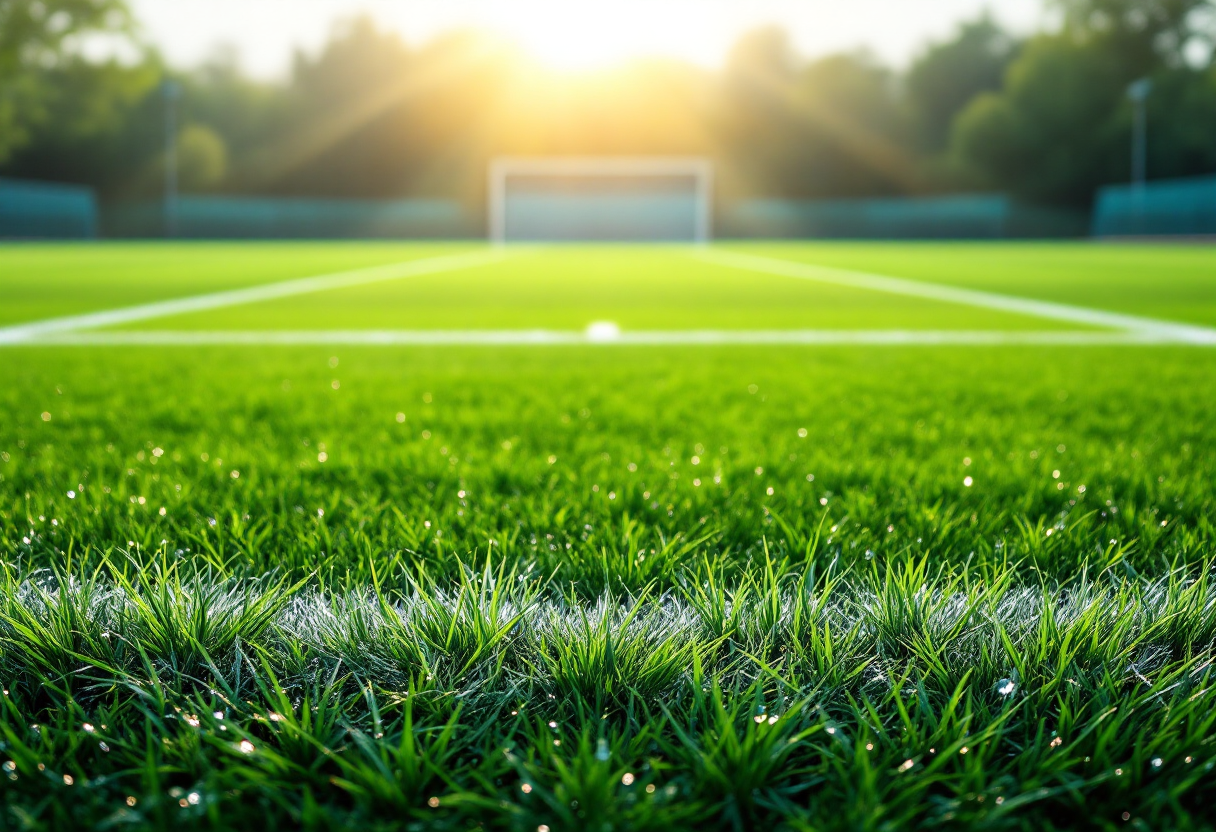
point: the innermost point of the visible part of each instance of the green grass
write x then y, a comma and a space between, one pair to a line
45, 280
521, 587
562, 288
1166, 281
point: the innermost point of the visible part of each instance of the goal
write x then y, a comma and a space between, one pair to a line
642, 199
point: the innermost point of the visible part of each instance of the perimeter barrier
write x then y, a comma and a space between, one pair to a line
223, 217
1168, 207
33, 210
970, 216
46, 210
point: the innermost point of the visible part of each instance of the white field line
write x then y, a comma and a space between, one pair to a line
18, 333
1166, 330
1129, 329
548, 337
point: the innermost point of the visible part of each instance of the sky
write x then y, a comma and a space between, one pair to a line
568, 34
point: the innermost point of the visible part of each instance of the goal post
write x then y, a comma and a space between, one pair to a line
620, 199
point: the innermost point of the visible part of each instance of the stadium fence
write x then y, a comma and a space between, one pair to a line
32, 210
223, 217
971, 216
46, 210
1180, 207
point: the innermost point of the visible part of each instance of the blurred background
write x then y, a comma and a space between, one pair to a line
313, 118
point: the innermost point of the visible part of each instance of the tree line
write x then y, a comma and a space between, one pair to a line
1043, 117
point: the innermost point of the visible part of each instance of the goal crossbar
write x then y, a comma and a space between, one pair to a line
698, 170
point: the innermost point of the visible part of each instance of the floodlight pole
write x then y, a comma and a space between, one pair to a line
172, 92
1138, 93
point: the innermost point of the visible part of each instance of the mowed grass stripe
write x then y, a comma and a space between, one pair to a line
565, 288
47, 280
1169, 281
545, 337
649, 291
235, 297
949, 294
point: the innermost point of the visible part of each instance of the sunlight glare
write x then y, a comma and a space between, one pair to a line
580, 36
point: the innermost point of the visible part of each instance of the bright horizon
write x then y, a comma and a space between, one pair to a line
567, 35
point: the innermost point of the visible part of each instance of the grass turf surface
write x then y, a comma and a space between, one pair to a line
567, 288
801, 587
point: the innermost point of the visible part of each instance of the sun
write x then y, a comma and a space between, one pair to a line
573, 35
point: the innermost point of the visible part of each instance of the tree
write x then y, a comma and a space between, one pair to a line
368, 116
1060, 126
100, 124
36, 35
753, 117
856, 133
947, 76
1145, 33
1049, 134
828, 128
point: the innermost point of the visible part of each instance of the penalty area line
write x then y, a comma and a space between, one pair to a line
1172, 331
51, 327
592, 337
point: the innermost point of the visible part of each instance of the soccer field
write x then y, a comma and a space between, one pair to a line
348, 291
747, 536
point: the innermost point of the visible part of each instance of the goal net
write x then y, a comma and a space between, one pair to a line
644, 199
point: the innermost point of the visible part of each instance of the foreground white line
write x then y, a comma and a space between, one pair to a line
546, 337
234, 297
971, 297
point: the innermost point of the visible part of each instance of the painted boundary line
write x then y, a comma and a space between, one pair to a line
1165, 330
37, 330
76, 330
546, 337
